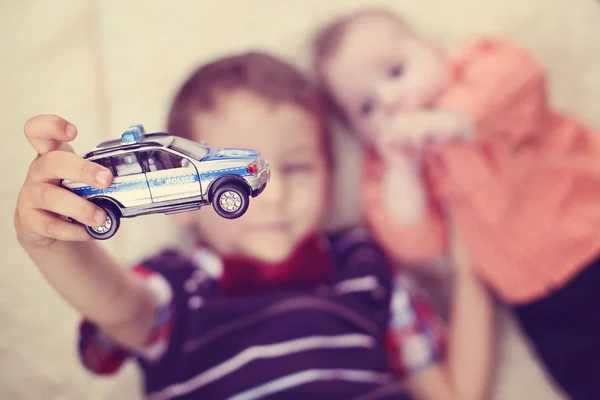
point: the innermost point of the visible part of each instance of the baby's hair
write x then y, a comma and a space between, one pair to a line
260, 73
325, 45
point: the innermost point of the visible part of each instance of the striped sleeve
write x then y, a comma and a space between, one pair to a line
416, 334
101, 355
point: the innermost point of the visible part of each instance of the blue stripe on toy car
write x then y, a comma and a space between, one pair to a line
87, 191
120, 187
115, 187
210, 175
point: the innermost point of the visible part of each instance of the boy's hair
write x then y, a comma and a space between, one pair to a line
260, 73
326, 43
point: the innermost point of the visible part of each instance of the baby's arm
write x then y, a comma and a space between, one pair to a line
73, 263
466, 371
403, 217
404, 192
415, 243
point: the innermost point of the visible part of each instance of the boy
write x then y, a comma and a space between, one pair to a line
267, 304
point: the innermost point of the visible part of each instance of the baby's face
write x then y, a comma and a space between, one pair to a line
381, 69
294, 202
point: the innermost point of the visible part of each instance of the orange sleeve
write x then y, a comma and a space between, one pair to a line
501, 87
415, 244
529, 218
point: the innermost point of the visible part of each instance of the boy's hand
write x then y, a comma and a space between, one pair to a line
42, 201
409, 134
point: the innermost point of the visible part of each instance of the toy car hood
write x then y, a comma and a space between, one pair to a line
222, 154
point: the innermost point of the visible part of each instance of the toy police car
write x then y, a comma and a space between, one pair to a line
160, 173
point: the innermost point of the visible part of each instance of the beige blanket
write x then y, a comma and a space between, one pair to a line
108, 64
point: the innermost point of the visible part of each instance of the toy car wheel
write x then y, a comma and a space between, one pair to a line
230, 201
110, 226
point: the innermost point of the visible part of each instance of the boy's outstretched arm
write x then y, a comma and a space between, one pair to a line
73, 263
472, 330
467, 371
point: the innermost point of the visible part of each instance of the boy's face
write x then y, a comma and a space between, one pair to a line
380, 69
294, 202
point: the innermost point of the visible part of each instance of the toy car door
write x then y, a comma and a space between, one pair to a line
129, 185
170, 176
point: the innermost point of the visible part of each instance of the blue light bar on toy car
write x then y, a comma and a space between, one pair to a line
133, 134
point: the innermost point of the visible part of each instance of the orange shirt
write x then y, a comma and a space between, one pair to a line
529, 217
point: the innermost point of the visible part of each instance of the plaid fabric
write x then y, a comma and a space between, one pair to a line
101, 355
416, 337
97, 352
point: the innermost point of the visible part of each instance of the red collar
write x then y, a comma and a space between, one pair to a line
309, 265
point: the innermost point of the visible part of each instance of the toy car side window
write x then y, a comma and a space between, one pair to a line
151, 160
126, 164
167, 160
105, 162
142, 157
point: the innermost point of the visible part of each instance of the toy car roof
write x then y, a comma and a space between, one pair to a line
133, 138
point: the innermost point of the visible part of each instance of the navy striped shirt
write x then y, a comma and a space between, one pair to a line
351, 338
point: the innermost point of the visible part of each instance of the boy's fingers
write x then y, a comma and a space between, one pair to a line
58, 165
51, 226
49, 132
60, 201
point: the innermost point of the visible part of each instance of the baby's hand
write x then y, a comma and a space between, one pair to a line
42, 201
409, 134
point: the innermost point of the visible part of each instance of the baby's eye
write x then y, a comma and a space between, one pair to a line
297, 167
396, 71
367, 107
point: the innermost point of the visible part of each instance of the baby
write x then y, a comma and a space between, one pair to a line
383, 82
267, 305
524, 193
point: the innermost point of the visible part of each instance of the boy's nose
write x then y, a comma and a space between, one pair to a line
274, 193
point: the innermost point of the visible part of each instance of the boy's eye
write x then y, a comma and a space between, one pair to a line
366, 107
296, 167
396, 71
